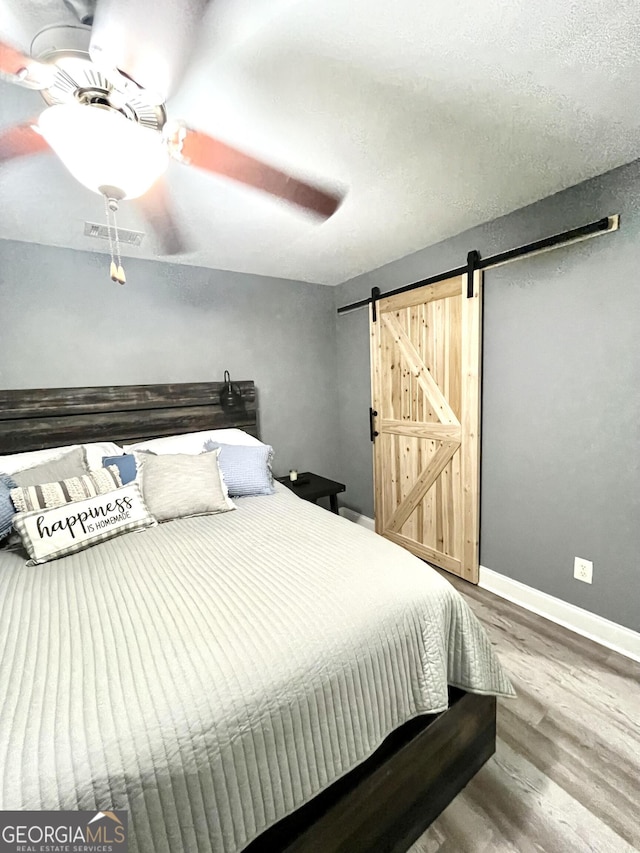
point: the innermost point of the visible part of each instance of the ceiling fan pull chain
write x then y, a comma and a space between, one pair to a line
121, 276
113, 272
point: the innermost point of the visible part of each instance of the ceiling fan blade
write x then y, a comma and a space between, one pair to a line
21, 141
149, 42
157, 209
197, 149
23, 70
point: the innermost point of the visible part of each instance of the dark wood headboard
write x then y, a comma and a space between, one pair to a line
36, 418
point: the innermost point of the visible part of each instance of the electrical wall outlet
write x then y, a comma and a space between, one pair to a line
583, 570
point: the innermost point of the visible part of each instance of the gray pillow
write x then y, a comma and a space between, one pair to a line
71, 464
180, 485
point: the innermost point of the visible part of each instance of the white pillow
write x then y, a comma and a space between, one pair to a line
192, 442
50, 533
94, 453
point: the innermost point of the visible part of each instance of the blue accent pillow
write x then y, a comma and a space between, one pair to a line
7, 509
125, 464
246, 468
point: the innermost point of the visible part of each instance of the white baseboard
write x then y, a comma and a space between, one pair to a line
357, 518
596, 628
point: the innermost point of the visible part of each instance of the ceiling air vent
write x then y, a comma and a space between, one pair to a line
95, 229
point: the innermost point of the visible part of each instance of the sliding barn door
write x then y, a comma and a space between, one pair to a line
425, 361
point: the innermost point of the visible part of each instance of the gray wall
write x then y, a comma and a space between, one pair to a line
65, 323
561, 394
561, 408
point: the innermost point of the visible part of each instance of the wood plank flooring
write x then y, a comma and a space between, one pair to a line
566, 774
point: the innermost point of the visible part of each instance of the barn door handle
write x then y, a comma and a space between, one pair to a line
372, 431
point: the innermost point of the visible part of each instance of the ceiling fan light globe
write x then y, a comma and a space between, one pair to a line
101, 147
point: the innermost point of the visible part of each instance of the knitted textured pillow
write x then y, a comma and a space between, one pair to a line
48, 495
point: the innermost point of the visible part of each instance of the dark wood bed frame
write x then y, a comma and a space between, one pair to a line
387, 802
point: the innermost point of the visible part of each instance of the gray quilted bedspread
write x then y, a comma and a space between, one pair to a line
212, 674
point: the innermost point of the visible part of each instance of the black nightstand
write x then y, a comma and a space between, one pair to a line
315, 487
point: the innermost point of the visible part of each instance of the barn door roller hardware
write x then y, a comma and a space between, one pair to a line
556, 241
375, 295
473, 264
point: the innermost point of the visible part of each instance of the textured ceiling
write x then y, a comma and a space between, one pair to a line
437, 116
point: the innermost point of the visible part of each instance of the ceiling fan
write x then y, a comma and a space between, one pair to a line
105, 87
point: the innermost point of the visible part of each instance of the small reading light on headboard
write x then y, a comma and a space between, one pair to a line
230, 395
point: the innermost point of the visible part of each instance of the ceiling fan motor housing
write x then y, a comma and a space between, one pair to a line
76, 78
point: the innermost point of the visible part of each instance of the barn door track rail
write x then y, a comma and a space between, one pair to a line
475, 262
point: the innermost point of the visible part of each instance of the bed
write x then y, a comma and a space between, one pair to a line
272, 678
